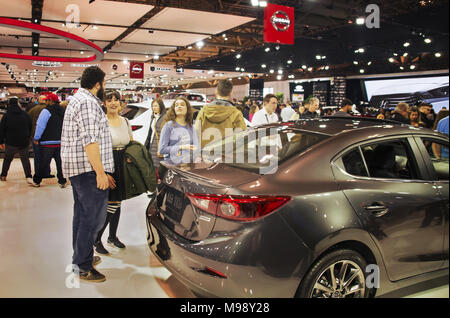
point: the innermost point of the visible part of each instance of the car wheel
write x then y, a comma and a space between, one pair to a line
339, 274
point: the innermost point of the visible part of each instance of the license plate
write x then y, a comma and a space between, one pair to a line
174, 204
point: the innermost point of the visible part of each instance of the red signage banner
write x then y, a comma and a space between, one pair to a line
279, 24
137, 70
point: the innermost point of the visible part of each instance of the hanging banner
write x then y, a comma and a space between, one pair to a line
279, 24
137, 70
256, 89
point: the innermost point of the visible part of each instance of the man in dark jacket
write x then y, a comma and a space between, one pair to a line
425, 110
15, 131
401, 114
34, 114
312, 107
345, 110
247, 106
48, 135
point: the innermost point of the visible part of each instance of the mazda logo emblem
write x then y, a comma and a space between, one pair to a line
169, 177
280, 21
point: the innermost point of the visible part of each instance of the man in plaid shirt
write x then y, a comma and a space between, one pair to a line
87, 157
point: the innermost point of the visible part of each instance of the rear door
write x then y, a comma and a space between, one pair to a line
383, 180
435, 153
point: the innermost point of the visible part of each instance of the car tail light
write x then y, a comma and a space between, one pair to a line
238, 207
136, 127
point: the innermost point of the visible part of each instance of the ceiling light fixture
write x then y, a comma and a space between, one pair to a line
406, 44
360, 21
438, 54
427, 40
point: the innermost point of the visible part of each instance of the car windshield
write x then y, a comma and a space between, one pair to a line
130, 112
262, 149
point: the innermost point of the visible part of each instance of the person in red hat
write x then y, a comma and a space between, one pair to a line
48, 137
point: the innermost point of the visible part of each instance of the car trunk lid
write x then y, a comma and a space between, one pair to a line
175, 208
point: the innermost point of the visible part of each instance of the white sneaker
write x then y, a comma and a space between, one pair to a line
29, 180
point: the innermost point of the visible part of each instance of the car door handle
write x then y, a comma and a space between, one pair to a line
377, 209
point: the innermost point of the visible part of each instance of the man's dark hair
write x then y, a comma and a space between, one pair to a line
346, 102
91, 76
425, 104
224, 88
268, 97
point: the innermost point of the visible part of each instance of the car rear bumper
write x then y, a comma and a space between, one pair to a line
196, 265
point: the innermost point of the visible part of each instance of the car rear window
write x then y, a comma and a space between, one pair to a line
131, 112
258, 150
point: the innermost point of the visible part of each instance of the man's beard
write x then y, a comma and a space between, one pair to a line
101, 93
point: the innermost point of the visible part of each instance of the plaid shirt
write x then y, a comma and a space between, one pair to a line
84, 123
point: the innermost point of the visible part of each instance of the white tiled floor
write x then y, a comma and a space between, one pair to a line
36, 248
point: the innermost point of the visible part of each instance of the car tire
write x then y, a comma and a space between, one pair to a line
349, 275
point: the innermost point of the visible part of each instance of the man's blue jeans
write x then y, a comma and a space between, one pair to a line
89, 216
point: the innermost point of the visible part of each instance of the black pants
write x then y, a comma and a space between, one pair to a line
113, 220
36, 160
45, 157
10, 151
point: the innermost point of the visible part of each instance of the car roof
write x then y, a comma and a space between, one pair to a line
334, 126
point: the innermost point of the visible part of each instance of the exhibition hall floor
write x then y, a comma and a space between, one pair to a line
36, 249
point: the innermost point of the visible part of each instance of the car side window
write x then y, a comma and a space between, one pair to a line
354, 164
438, 152
390, 160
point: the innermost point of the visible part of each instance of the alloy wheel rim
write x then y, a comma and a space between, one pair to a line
343, 279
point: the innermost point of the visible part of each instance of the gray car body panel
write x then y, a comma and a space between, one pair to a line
269, 257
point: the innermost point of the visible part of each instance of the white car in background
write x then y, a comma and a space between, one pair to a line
139, 114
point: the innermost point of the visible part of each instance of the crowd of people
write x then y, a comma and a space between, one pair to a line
89, 142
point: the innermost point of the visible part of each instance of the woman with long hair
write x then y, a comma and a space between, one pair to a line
121, 135
179, 142
154, 132
414, 117
253, 109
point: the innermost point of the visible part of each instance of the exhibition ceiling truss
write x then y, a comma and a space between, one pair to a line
209, 34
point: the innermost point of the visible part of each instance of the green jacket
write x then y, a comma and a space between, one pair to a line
139, 173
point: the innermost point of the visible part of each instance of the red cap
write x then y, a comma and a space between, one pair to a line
52, 97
